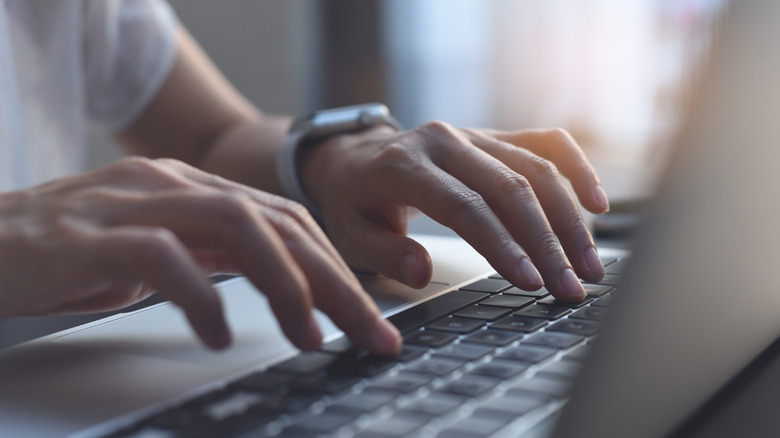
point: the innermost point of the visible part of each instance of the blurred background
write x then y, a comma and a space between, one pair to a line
616, 74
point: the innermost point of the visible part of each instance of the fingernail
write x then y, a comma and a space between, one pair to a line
408, 269
593, 261
386, 339
571, 284
528, 271
601, 197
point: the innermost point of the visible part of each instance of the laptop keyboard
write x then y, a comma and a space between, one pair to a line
486, 358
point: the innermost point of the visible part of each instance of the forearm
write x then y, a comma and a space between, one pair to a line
246, 150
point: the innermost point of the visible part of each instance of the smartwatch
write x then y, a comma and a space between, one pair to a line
305, 131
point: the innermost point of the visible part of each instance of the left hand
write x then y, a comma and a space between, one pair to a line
503, 192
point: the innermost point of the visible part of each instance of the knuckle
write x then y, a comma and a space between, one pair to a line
511, 183
159, 170
436, 128
558, 135
467, 202
156, 245
543, 168
290, 210
397, 154
547, 243
575, 221
233, 211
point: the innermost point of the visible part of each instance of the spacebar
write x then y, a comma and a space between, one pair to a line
423, 313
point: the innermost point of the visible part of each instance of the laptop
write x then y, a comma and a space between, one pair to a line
679, 340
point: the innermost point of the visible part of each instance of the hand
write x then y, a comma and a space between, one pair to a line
109, 238
501, 191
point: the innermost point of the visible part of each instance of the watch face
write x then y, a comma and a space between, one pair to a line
338, 120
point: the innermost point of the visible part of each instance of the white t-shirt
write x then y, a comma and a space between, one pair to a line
70, 65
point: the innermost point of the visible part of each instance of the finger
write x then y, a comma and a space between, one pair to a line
557, 146
234, 225
340, 296
289, 207
155, 256
559, 206
514, 201
448, 201
371, 247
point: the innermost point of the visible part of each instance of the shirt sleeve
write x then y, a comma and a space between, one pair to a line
129, 48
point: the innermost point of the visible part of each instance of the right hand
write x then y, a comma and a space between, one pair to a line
109, 238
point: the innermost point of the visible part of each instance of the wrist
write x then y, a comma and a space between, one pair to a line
321, 165
310, 131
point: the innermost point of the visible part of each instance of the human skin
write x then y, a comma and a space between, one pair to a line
139, 226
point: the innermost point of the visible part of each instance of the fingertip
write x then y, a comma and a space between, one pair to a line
529, 273
570, 286
600, 199
309, 337
416, 269
385, 338
215, 334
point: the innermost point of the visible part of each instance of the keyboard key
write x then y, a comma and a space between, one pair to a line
513, 405
510, 301
433, 309
371, 365
555, 302
563, 369
591, 313
604, 301
327, 421
365, 401
502, 369
579, 327
528, 353
493, 337
579, 353
546, 311
305, 363
596, 290
463, 351
338, 346
238, 424
539, 293
435, 366
408, 353
296, 400
519, 324
470, 385
473, 427
401, 383
486, 313
430, 338
488, 285
395, 426
554, 339
541, 386
610, 279
435, 404
608, 260
456, 325
267, 382
329, 383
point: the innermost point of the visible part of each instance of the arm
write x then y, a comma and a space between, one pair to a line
199, 118
501, 191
